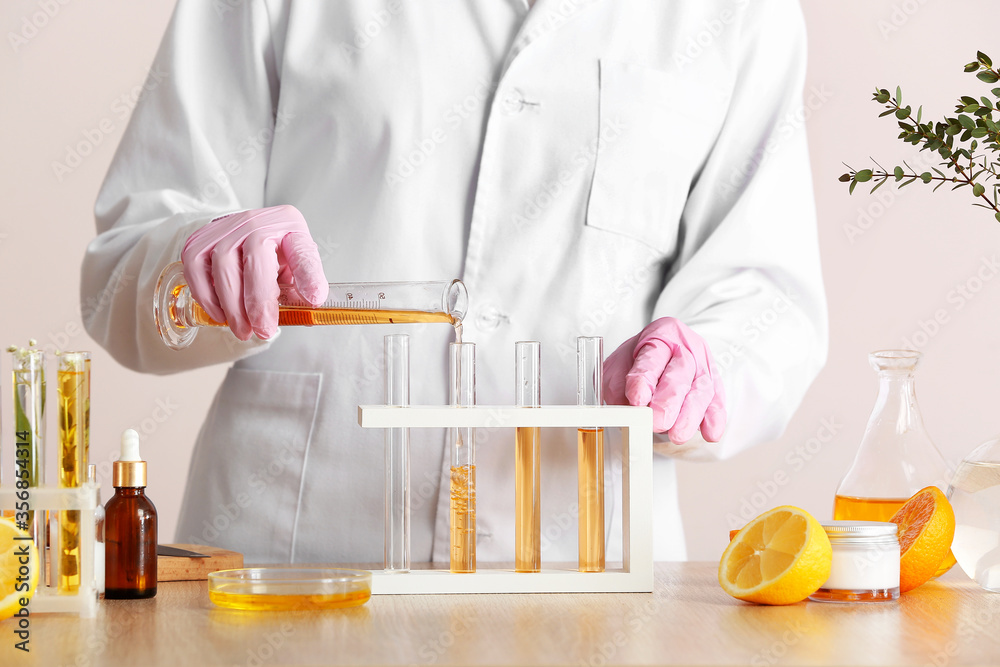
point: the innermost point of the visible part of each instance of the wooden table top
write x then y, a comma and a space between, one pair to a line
687, 620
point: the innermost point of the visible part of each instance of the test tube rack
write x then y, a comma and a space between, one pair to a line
636, 424
49, 499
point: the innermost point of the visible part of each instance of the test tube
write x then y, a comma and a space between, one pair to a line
462, 392
29, 432
590, 456
73, 377
397, 457
527, 493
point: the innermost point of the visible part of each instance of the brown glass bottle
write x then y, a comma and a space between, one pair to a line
130, 529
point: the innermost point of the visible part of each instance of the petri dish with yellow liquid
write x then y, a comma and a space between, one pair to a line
289, 589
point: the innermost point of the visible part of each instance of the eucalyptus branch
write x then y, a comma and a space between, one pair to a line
955, 139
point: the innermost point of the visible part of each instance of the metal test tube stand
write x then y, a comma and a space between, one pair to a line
636, 573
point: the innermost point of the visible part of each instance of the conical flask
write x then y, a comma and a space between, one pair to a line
896, 457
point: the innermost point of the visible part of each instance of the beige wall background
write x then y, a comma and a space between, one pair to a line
70, 72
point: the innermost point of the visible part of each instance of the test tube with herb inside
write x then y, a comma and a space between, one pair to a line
29, 432
74, 443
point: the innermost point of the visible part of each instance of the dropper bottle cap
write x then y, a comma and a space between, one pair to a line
129, 470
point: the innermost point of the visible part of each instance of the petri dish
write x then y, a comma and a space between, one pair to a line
289, 589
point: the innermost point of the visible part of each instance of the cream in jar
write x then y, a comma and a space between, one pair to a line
865, 564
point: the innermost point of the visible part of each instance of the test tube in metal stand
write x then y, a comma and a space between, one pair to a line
462, 392
527, 492
29, 432
397, 457
590, 456
73, 378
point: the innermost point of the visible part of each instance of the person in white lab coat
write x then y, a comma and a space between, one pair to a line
586, 167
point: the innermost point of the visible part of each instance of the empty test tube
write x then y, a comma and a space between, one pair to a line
29, 430
462, 392
590, 456
73, 379
397, 457
527, 492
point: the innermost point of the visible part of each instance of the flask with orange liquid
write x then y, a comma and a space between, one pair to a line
896, 457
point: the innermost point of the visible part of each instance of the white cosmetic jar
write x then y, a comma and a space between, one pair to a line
865, 565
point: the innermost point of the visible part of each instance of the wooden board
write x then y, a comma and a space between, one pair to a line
175, 568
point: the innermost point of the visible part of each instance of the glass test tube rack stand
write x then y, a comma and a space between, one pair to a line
636, 424
51, 500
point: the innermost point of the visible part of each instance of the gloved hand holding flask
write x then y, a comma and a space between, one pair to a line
235, 263
669, 367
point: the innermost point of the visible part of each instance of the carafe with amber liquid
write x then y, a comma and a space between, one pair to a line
896, 457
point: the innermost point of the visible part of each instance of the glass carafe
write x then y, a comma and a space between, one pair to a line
975, 495
896, 457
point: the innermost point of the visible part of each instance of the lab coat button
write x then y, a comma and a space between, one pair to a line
490, 318
513, 102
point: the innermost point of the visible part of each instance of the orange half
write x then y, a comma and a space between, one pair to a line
926, 528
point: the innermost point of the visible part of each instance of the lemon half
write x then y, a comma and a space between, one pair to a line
781, 557
16, 554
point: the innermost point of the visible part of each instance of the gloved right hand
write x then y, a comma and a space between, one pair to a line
234, 264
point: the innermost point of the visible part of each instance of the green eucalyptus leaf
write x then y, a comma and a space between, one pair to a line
997, 216
987, 76
880, 184
966, 122
863, 175
887, 112
972, 67
984, 59
979, 133
898, 172
920, 112
899, 97
978, 190
850, 190
926, 177
969, 108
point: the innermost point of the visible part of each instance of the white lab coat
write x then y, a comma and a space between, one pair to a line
585, 168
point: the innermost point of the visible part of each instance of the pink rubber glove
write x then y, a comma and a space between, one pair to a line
669, 368
234, 264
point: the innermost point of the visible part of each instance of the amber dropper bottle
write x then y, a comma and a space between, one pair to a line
129, 529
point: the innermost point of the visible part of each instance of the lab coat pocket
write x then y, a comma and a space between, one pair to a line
656, 130
246, 474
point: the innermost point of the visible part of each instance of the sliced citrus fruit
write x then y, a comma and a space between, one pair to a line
15, 552
781, 557
732, 533
926, 528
